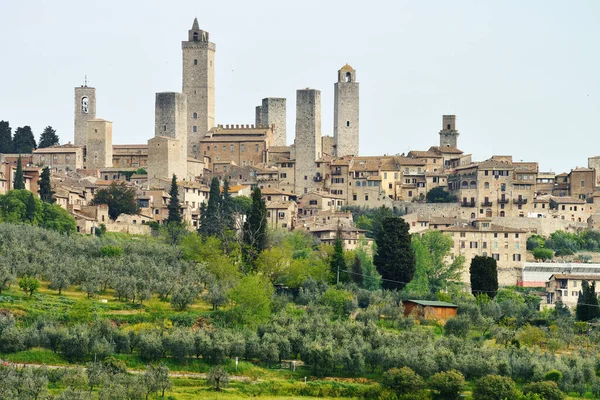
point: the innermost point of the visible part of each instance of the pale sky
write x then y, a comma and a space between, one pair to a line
523, 77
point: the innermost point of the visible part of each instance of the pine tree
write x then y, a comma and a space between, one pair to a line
395, 259
174, 206
6, 144
19, 178
484, 276
255, 228
45, 191
24, 141
338, 262
212, 221
48, 138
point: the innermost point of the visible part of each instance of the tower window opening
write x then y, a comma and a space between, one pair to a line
195, 115
195, 36
448, 126
347, 123
165, 128
195, 129
348, 77
195, 61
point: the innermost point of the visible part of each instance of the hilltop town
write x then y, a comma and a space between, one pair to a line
309, 185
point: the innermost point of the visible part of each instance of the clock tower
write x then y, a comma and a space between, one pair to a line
449, 134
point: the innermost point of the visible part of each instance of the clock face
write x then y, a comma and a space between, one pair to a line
84, 105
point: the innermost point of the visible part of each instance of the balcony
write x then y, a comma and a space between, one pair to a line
503, 201
336, 172
520, 201
467, 204
486, 204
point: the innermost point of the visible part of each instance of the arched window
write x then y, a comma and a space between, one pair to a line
195, 61
472, 215
502, 213
357, 183
488, 212
465, 184
195, 129
364, 183
195, 36
134, 222
347, 123
486, 185
473, 185
195, 115
348, 77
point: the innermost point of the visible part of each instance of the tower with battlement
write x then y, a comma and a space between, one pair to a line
449, 134
198, 85
85, 110
308, 139
345, 113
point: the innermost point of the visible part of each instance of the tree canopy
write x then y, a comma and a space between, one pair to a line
45, 187
48, 138
120, 199
484, 276
23, 140
19, 182
6, 144
395, 258
439, 195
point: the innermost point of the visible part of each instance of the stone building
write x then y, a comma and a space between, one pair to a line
85, 110
582, 182
167, 151
282, 214
345, 113
449, 134
198, 85
272, 113
308, 138
130, 156
242, 145
60, 159
98, 145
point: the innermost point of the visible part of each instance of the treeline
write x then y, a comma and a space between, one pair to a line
23, 141
561, 243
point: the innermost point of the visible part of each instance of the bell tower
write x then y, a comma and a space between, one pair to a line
449, 134
85, 110
345, 113
198, 85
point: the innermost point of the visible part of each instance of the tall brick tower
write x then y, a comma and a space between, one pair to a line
198, 85
449, 134
345, 113
308, 138
85, 110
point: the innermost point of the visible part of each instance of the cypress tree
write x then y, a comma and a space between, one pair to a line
227, 207
587, 303
357, 271
30, 210
174, 206
395, 259
19, 177
48, 138
338, 262
45, 191
212, 222
6, 144
484, 276
255, 228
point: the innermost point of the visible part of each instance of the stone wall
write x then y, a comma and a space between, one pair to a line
308, 138
541, 226
429, 210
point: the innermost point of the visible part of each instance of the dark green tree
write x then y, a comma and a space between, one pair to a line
439, 195
211, 222
338, 262
395, 258
227, 207
19, 178
255, 228
174, 206
484, 276
45, 190
6, 144
119, 198
357, 271
587, 303
48, 138
24, 141
30, 211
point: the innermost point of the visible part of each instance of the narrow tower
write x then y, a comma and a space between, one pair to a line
308, 138
345, 113
449, 134
85, 110
273, 114
198, 85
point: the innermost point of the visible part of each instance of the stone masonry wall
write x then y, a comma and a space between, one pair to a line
308, 138
273, 112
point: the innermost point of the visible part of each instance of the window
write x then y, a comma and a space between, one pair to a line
366, 197
231, 147
462, 234
496, 256
242, 147
256, 148
410, 193
195, 115
462, 244
67, 158
283, 175
195, 61
312, 202
516, 257
484, 245
582, 183
473, 245
281, 215
486, 185
195, 36
354, 197
390, 186
506, 236
347, 123
194, 129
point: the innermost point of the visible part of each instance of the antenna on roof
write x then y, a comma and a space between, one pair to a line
85, 81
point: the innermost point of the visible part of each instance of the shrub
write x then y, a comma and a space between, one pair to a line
553, 376
403, 380
458, 327
543, 254
448, 385
340, 302
495, 387
546, 390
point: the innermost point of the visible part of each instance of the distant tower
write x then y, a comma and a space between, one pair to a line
308, 138
345, 113
273, 113
449, 134
198, 85
167, 150
85, 110
98, 144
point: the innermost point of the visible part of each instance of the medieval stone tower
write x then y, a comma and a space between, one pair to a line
272, 113
449, 134
98, 144
85, 110
198, 85
167, 150
308, 138
345, 113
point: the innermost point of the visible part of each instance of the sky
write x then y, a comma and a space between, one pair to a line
523, 77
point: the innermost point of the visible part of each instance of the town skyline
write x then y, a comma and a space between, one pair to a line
127, 60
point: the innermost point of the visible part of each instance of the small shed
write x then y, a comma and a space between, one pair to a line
438, 310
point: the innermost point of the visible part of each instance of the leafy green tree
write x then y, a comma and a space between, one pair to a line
338, 261
45, 187
19, 182
60, 276
6, 145
183, 296
546, 390
48, 138
587, 303
395, 258
156, 379
58, 219
241, 204
174, 206
24, 141
218, 377
29, 285
252, 299
495, 387
340, 302
403, 381
543, 254
448, 385
484, 276
150, 346
439, 195
255, 228
120, 199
